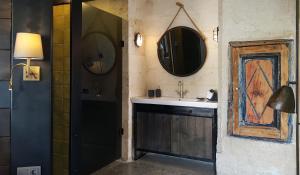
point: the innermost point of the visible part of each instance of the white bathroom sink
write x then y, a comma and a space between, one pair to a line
175, 102
174, 99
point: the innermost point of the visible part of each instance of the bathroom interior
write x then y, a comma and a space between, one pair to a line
149, 87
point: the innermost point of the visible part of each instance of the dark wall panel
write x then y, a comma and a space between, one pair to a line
4, 64
5, 8
4, 151
4, 170
4, 95
31, 109
4, 123
76, 18
5, 52
5, 29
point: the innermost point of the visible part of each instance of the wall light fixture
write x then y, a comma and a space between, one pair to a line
28, 46
138, 39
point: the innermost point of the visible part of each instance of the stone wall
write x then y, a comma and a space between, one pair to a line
116, 7
155, 16
243, 20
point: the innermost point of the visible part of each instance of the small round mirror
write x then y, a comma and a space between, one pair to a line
99, 53
181, 51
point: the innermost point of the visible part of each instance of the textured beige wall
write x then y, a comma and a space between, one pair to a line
156, 15
242, 20
125, 93
136, 71
116, 7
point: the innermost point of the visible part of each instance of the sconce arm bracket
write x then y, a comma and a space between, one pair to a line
10, 85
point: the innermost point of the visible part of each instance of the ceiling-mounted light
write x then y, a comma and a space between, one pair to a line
138, 39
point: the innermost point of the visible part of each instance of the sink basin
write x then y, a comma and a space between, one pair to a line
175, 102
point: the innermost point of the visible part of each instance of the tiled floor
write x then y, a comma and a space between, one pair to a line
153, 164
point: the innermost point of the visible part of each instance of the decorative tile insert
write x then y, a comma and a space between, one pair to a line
61, 88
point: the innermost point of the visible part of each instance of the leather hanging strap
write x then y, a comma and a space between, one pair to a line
181, 7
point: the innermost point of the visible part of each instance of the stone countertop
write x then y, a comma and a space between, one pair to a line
170, 101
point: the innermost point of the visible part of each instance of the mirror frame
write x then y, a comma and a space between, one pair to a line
205, 50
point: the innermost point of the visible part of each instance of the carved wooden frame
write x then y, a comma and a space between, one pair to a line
237, 50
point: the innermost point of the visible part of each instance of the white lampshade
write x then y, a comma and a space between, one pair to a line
28, 45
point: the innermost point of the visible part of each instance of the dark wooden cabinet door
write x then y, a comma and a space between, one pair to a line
192, 136
154, 131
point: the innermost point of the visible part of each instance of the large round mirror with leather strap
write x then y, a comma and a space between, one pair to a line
181, 50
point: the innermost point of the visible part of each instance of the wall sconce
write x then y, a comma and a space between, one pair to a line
28, 46
216, 34
138, 39
283, 99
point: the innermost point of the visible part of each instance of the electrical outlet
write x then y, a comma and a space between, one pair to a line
34, 170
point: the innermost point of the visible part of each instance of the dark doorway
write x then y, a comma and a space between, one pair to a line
96, 90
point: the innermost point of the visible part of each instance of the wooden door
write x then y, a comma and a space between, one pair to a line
192, 136
153, 132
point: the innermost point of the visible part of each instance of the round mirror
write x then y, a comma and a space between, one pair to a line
181, 51
99, 53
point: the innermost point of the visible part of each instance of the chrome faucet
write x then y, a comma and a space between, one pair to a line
180, 90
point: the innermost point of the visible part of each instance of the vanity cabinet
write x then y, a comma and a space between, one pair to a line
188, 132
192, 136
154, 131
